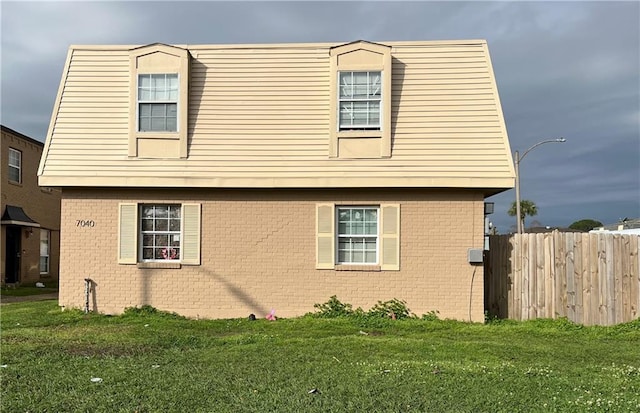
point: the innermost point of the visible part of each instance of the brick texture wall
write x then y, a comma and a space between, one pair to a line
258, 254
41, 205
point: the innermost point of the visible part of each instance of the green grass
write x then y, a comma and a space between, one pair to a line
29, 289
163, 363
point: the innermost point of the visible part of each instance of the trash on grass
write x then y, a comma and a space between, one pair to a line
146, 325
314, 391
155, 366
271, 316
4, 366
96, 380
364, 333
40, 285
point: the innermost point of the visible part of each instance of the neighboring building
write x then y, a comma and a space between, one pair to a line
222, 180
30, 214
625, 226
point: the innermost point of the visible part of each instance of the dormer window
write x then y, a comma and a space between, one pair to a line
158, 102
360, 99
360, 108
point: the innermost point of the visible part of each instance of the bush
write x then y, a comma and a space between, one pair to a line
394, 309
148, 310
334, 308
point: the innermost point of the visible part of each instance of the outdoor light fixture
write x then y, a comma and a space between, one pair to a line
518, 159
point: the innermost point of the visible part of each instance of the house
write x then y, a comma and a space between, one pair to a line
30, 214
221, 180
624, 226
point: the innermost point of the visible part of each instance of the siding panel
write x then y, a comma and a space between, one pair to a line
263, 113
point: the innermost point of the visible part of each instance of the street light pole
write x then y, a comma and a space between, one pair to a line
518, 159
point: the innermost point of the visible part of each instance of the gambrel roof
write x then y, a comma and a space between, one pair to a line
259, 116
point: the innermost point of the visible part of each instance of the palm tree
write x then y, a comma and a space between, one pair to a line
526, 208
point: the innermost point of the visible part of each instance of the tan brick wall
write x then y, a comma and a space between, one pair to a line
41, 205
258, 254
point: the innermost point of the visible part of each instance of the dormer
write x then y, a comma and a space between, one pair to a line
360, 116
159, 84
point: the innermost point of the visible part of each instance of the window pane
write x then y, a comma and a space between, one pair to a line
157, 124
370, 257
161, 240
174, 225
343, 256
14, 174
147, 253
44, 264
147, 240
172, 125
147, 225
357, 256
158, 110
162, 224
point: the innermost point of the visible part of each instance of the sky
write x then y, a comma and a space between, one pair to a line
564, 69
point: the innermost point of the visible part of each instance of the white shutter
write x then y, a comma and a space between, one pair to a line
390, 237
127, 233
325, 249
190, 234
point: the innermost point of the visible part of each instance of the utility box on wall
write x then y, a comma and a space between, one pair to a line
475, 256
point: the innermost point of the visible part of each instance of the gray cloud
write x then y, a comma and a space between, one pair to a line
567, 69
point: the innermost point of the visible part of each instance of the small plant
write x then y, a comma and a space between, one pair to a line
394, 309
149, 310
431, 316
333, 308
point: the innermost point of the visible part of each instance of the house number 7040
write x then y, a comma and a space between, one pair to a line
84, 224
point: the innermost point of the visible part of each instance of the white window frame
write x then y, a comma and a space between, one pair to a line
170, 253
46, 254
15, 166
346, 100
152, 102
339, 236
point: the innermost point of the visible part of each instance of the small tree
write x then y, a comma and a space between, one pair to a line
585, 225
526, 208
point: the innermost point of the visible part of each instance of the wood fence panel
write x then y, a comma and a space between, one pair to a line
571, 284
595, 279
588, 278
634, 271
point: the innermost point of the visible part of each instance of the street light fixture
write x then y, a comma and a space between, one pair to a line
518, 159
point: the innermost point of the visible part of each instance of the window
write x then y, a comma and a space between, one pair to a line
360, 98
158, 103
15, 165
354, 237
159, 235
357, 235
160, 229
45, 238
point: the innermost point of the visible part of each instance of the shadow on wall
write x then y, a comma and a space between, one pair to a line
238, 293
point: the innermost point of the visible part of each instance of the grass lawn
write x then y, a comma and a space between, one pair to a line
30, 289
163, 363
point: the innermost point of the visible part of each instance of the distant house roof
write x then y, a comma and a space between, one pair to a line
623, 224
541, 230
20, 135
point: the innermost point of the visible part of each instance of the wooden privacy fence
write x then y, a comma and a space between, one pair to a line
588, 278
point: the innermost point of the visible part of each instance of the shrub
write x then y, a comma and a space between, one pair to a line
148, 310
333, 308
431, 316
395, 309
